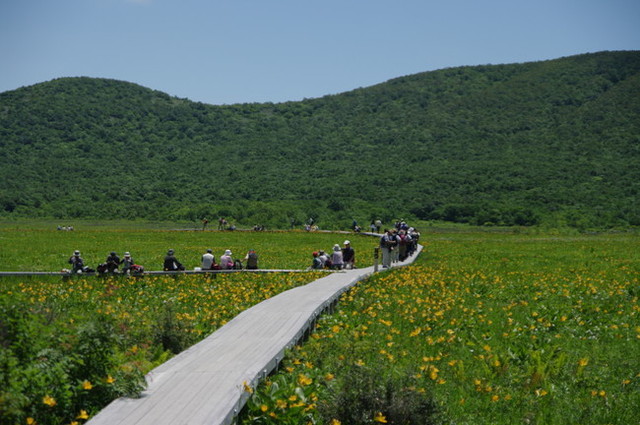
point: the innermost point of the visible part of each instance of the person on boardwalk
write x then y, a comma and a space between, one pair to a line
226, 261
336, 258
348, 256
208, 260
387, 245
127, 262
112, 262
171, 263
76, 261
404, 242
251, 260
324, 258
317, 262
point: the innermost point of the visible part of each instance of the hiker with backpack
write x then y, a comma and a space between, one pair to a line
251, 260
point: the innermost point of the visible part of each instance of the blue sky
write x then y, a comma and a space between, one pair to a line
237, 51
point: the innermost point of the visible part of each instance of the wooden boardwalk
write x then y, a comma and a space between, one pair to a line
203, 385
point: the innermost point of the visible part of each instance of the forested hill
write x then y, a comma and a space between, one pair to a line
554, 142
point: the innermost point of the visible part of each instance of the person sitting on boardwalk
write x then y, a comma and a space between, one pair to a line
171, 263
226, 261
127, 262
326, 261
252, 260
76, 261
208, 260
317, 262
112, 262
348, 256
336, 258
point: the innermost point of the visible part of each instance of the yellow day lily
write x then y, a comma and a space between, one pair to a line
380, 418
49, 401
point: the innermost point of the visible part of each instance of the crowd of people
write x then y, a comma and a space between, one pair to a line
398, 242
338, 259
126, 265
113, 264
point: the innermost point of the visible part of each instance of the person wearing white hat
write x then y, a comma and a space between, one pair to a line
226, 261
348, 255
127, 262
336, 258
76, 261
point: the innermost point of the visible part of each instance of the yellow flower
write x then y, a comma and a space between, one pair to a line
83, 415
110, 379
31, 421
264, 407
541, 392
335, 422
495, 398
49, 401
86, 385
433, 373
329, 377
583, 362
380, 418
304, 380
247, 388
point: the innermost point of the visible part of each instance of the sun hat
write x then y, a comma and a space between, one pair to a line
76, 252
227, 252
347, 243
126, 254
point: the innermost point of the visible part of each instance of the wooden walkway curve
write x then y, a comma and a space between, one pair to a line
203, 385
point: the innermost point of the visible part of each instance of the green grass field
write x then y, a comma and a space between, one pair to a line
39, 246
487, 327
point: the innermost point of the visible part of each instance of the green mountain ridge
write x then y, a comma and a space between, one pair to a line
554, 142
